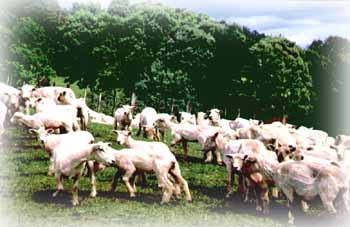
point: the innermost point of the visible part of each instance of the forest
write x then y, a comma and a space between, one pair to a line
171, 57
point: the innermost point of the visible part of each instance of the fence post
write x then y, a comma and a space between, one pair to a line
85, 93
133, 99
99, 102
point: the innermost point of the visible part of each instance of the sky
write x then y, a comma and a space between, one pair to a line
298, 20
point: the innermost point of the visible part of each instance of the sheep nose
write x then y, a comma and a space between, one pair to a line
118, 142
210, 118
42, 141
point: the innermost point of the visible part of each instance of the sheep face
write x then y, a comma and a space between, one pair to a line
102, 153
210, 143
122, 136
149, 132
26, 91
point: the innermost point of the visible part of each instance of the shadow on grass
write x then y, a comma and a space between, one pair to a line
279, 212
64, 197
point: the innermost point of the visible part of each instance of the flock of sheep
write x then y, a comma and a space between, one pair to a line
278, 157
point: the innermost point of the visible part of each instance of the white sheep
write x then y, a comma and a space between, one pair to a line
148, 125
47, 119
70, 160
3, 111
123, 116
50, 141
157, 161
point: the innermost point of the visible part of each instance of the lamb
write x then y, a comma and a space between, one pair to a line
230, 147
69, 161
124, 138
50, 142
252, 178
100, 118
82, 110
306, 179
3, 111
10, 96
123, 116
161, 128
148, 125
128, 161
201, 119
187, 118
214, 116
60, 95
48, 119
181, 133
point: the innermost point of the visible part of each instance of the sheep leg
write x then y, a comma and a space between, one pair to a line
230, 180
143, 180
265, 198
257, 198
75, 199
218, 157
288, 192
139, 132
162, 134
167, 187
133, 182
209, 157
179, 180
184, 146
115, 179
126, 178
60, 188
51, 171
93, 179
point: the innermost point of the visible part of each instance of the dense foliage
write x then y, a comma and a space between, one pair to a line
170, 57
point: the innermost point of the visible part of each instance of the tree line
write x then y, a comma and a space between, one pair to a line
171, 57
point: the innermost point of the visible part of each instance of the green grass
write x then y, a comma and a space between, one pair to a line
26, 193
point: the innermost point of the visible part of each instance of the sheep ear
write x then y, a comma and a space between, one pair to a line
215, 135
230, 156
50, 131
33, 131
115, 131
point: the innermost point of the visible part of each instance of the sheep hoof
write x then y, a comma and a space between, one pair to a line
220, 163
207, 160
132, 195
75, 202
228, 195
266, 211
93, 194
55, 193
50, 174
258, 208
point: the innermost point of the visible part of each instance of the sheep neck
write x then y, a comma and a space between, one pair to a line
131, 143
221, 142
268, 167
169, 124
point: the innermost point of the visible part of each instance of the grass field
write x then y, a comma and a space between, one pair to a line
26, 194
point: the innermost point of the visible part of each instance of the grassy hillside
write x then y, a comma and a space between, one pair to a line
26, 192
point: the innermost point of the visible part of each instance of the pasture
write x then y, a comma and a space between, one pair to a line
26, 194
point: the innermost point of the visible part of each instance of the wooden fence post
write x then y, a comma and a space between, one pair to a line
99, 102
